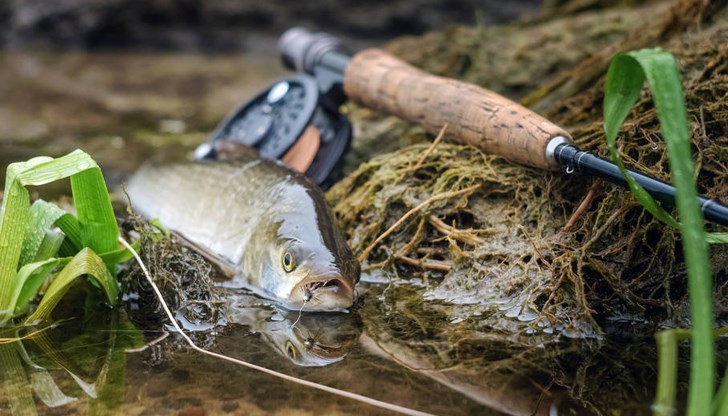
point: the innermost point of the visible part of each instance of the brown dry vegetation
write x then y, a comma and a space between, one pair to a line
504, 249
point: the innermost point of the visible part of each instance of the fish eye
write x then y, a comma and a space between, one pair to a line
291, 351
289, 261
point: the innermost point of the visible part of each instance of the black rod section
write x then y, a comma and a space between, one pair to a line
304, 51
574, 158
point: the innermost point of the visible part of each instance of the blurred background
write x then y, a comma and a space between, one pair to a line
223, 26
143, 78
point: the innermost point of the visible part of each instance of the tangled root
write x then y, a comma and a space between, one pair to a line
524, 249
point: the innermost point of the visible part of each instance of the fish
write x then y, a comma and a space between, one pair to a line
268, 226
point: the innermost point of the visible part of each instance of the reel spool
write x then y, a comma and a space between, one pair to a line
288, 121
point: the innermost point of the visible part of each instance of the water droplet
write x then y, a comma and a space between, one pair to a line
654, 147
569, 169
83, 165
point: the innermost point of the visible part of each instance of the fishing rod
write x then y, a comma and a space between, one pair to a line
377, 80
297, 120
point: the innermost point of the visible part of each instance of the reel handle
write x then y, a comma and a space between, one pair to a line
474, 115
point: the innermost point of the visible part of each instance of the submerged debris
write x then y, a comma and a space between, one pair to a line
184, 277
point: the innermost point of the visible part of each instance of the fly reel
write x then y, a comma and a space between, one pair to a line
292, 121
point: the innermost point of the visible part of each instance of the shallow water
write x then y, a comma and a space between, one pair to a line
389, 347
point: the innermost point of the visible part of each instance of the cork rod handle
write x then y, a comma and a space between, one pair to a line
474, 115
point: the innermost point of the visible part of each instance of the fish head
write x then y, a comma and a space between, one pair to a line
310, 277
308, 264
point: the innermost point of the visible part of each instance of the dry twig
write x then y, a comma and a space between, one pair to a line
363, 256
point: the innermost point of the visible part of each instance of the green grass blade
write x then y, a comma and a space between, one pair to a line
15, 216
720, 407
99, 230
72, 229
29, 279
667, 373
42, 170
49, 246
42, 216
67, 249
717, 238
660, 70
624, 83
86, 262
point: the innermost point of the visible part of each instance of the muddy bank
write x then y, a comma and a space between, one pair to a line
513, 252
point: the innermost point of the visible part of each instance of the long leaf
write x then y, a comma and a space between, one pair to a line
29, 279
717, 238
72, 229
42, 215
90, 196
666, 374
720, 407
13, 220
99, 230
31, 276
49, 246
86, 262
624, 81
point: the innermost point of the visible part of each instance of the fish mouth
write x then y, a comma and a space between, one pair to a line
323, 294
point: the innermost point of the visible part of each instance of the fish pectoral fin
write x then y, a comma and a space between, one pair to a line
220, 264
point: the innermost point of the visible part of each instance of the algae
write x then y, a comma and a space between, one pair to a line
184, 278
520, 252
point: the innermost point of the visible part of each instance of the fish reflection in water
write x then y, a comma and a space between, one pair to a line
305, 338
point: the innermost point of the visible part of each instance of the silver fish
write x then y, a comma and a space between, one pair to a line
267, 225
